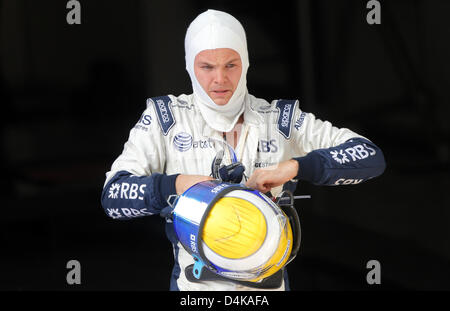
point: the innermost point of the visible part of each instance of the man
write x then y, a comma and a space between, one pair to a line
177, 140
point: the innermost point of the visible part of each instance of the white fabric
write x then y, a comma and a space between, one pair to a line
148, 150
213, 30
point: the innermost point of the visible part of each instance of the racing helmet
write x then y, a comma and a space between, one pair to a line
236, 232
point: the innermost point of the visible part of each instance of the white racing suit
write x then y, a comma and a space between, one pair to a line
171, 137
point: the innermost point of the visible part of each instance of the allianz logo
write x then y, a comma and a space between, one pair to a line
184, 141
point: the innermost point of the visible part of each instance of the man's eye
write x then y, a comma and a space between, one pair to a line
231, 65
207, 67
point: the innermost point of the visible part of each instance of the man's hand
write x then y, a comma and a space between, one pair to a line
264, 179
184, 182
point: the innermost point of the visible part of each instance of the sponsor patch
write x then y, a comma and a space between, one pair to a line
182, 141
298, 124
343, 181
264, 164
143, 122
164, 112
285, 114
127, 191
265, 146
117, 213
339, 156
352, 154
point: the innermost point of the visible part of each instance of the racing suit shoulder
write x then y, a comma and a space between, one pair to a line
260, 110
264, 106
180, 101
278, 114
183, 106
162, 106
171, 110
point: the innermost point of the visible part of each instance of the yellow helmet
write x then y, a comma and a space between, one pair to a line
247, 235
236, 232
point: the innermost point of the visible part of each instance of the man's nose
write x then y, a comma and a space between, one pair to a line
221, 76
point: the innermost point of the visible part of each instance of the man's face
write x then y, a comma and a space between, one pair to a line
218, 71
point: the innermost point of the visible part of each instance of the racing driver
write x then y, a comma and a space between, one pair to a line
176, 142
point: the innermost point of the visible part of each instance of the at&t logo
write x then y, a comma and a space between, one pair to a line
182, 141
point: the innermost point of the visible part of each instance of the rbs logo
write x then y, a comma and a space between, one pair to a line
355, 153
127, 191
267, 146
145, 119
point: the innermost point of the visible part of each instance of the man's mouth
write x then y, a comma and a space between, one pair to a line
220, 92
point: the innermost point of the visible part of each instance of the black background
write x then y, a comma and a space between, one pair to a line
71, 93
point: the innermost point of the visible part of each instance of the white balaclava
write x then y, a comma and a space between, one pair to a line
213, 30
